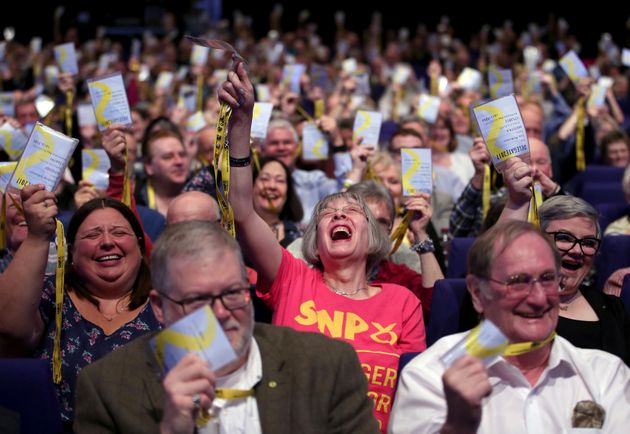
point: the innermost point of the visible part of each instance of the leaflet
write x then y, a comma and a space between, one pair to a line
291, 76
66, 58
187, 97
195, 123
96, 166
502, 128
598, 96
260, 121
199, 333
500, 81
314, 143
12, 140
85, 115
486, 341
470, 79
199, 55
44, 159
428, 107
6, 170
417, 171
367, 127
165, 80
109, 100
573, 66
7, 104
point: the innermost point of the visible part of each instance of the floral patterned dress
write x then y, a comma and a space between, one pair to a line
82, 342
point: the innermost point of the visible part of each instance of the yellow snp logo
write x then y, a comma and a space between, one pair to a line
43, 154
101, 106
345, 325
365, 120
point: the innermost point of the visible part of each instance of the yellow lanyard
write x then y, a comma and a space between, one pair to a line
434, 85
303, 112
526, 347
534, 204
319, 108
126, 193
200, 92
222, 156
399, 233
150, 195
69, 99
59, 284
228, 394
485, 192
580, 161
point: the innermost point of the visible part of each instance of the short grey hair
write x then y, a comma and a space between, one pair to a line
374, 191
378, 241
190, 239
283, 124
565, 207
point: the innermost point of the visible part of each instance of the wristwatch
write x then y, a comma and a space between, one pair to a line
425, 246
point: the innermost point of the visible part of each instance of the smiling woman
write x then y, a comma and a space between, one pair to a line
344, 242
107, 283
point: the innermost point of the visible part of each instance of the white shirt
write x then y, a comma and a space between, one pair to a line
311, 186
514, 407
238, 416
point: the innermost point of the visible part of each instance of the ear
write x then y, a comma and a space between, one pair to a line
148, 168
473, 284
157, 305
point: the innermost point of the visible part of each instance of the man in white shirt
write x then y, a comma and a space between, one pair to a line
515, 284
282, 381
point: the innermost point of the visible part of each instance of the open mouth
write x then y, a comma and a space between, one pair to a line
533, 315
109, 258
573, 266
340, 233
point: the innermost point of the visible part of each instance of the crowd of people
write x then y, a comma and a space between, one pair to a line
330, 253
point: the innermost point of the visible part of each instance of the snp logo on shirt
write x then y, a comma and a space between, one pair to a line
344, 325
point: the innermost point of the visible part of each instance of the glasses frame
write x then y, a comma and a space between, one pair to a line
322, 213
577, 241
211, 299
518, 294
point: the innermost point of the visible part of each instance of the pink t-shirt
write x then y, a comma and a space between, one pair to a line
379, 328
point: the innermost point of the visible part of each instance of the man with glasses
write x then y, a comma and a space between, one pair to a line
282, 381
514, 281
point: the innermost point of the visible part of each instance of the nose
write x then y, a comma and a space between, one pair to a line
537, 294
107, 240
220, 311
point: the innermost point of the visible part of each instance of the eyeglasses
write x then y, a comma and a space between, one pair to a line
329, 212
232, 299
565, 242
520, 285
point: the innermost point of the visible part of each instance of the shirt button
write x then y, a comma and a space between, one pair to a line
273, 384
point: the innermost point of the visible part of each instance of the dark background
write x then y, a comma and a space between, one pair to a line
587, 19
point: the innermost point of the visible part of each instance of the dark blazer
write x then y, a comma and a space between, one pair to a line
310, 384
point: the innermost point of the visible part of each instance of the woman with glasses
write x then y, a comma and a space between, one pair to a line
107, 284
343, 242
588, 317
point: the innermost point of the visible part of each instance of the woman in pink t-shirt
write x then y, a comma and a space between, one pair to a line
343, 242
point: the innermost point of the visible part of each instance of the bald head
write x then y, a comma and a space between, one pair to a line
192, 205
541, 158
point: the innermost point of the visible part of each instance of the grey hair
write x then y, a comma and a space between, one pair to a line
565, 207
492, 243
374, 191
378, 241
283, 124
189, 240
625, 183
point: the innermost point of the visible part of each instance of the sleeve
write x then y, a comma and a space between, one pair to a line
271, 292
420, 406
413, 337
466, 216
350, 406
616, 394
91, 415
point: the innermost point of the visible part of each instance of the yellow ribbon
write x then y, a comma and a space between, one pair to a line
398, 96
126, 193
69, 100
150, 195
255, 158
435, 89
230, 394
59, 287
475, 348
534, 203
580, 161
399, 233
525, 347
303, 112
222, 156
200, 92
485, 192
319, 108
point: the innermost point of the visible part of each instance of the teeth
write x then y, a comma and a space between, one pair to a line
340, 232
108, 258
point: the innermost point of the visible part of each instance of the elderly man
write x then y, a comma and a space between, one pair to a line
466, 218
514, 282
301, 382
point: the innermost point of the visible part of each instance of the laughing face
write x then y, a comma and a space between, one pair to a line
106, 254
270, 188
342, 231
575, 264
532, 316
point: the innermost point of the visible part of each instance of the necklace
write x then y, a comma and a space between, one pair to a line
564, 305
342, 292
119, 310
